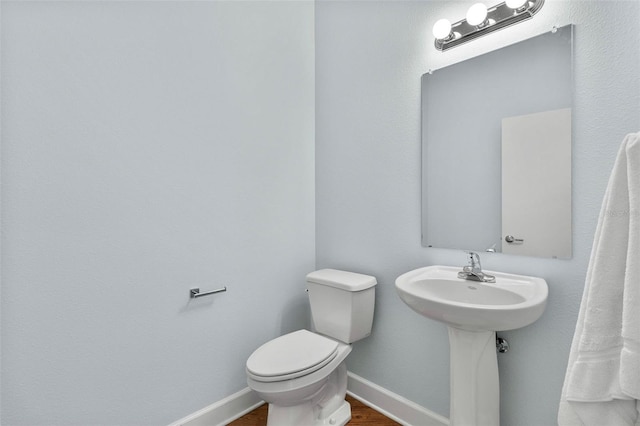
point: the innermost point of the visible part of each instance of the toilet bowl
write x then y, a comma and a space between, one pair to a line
312, 389
303, 374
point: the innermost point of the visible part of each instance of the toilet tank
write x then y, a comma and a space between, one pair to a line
341, 303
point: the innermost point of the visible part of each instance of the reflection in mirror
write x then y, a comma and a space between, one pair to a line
496, 150
536, 184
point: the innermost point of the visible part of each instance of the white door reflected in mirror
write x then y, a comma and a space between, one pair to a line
536, 184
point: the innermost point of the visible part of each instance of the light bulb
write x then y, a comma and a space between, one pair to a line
477, 14
516, 4
442, 29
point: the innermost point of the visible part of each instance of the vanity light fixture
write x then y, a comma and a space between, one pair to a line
481, 20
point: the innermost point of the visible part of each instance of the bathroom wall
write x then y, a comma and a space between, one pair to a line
149, 147
369, 59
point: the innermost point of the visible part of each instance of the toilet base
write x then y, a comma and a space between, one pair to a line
340, 417
303, 415
326, 407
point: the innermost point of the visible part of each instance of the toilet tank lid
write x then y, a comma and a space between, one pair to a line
350, 281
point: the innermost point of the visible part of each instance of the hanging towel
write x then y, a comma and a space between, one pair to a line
602, 382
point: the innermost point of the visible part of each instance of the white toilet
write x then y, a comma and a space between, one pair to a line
303, 375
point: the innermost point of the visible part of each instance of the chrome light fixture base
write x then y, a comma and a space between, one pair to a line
498, 17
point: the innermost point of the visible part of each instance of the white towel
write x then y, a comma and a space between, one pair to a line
602, 383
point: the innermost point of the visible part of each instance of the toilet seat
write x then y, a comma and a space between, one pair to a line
290, 356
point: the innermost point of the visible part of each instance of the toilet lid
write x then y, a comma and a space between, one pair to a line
292, 355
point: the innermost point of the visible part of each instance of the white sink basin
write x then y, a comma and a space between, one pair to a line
436, 292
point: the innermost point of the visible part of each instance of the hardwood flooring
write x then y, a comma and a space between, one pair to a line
360, 415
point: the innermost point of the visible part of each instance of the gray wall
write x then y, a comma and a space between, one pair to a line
369, 59
150, 147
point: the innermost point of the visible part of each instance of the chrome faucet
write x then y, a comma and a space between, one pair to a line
473, 271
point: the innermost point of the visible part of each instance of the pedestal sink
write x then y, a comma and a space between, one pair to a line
473, 312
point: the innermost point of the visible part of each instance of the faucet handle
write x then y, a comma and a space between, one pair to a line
474, 261
473, 271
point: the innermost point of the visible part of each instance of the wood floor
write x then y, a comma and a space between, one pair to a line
360, 415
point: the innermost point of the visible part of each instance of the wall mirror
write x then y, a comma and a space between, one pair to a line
496, 150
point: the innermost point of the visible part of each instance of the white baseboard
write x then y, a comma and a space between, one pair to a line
392, 405
386, 402
224, 411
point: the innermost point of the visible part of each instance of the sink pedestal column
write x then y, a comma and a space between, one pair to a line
475, 390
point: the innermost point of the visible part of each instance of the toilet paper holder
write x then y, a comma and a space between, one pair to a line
195, 292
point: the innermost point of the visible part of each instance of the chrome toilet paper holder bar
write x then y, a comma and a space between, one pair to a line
195, 292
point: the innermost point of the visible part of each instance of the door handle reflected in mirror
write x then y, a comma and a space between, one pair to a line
511, 239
